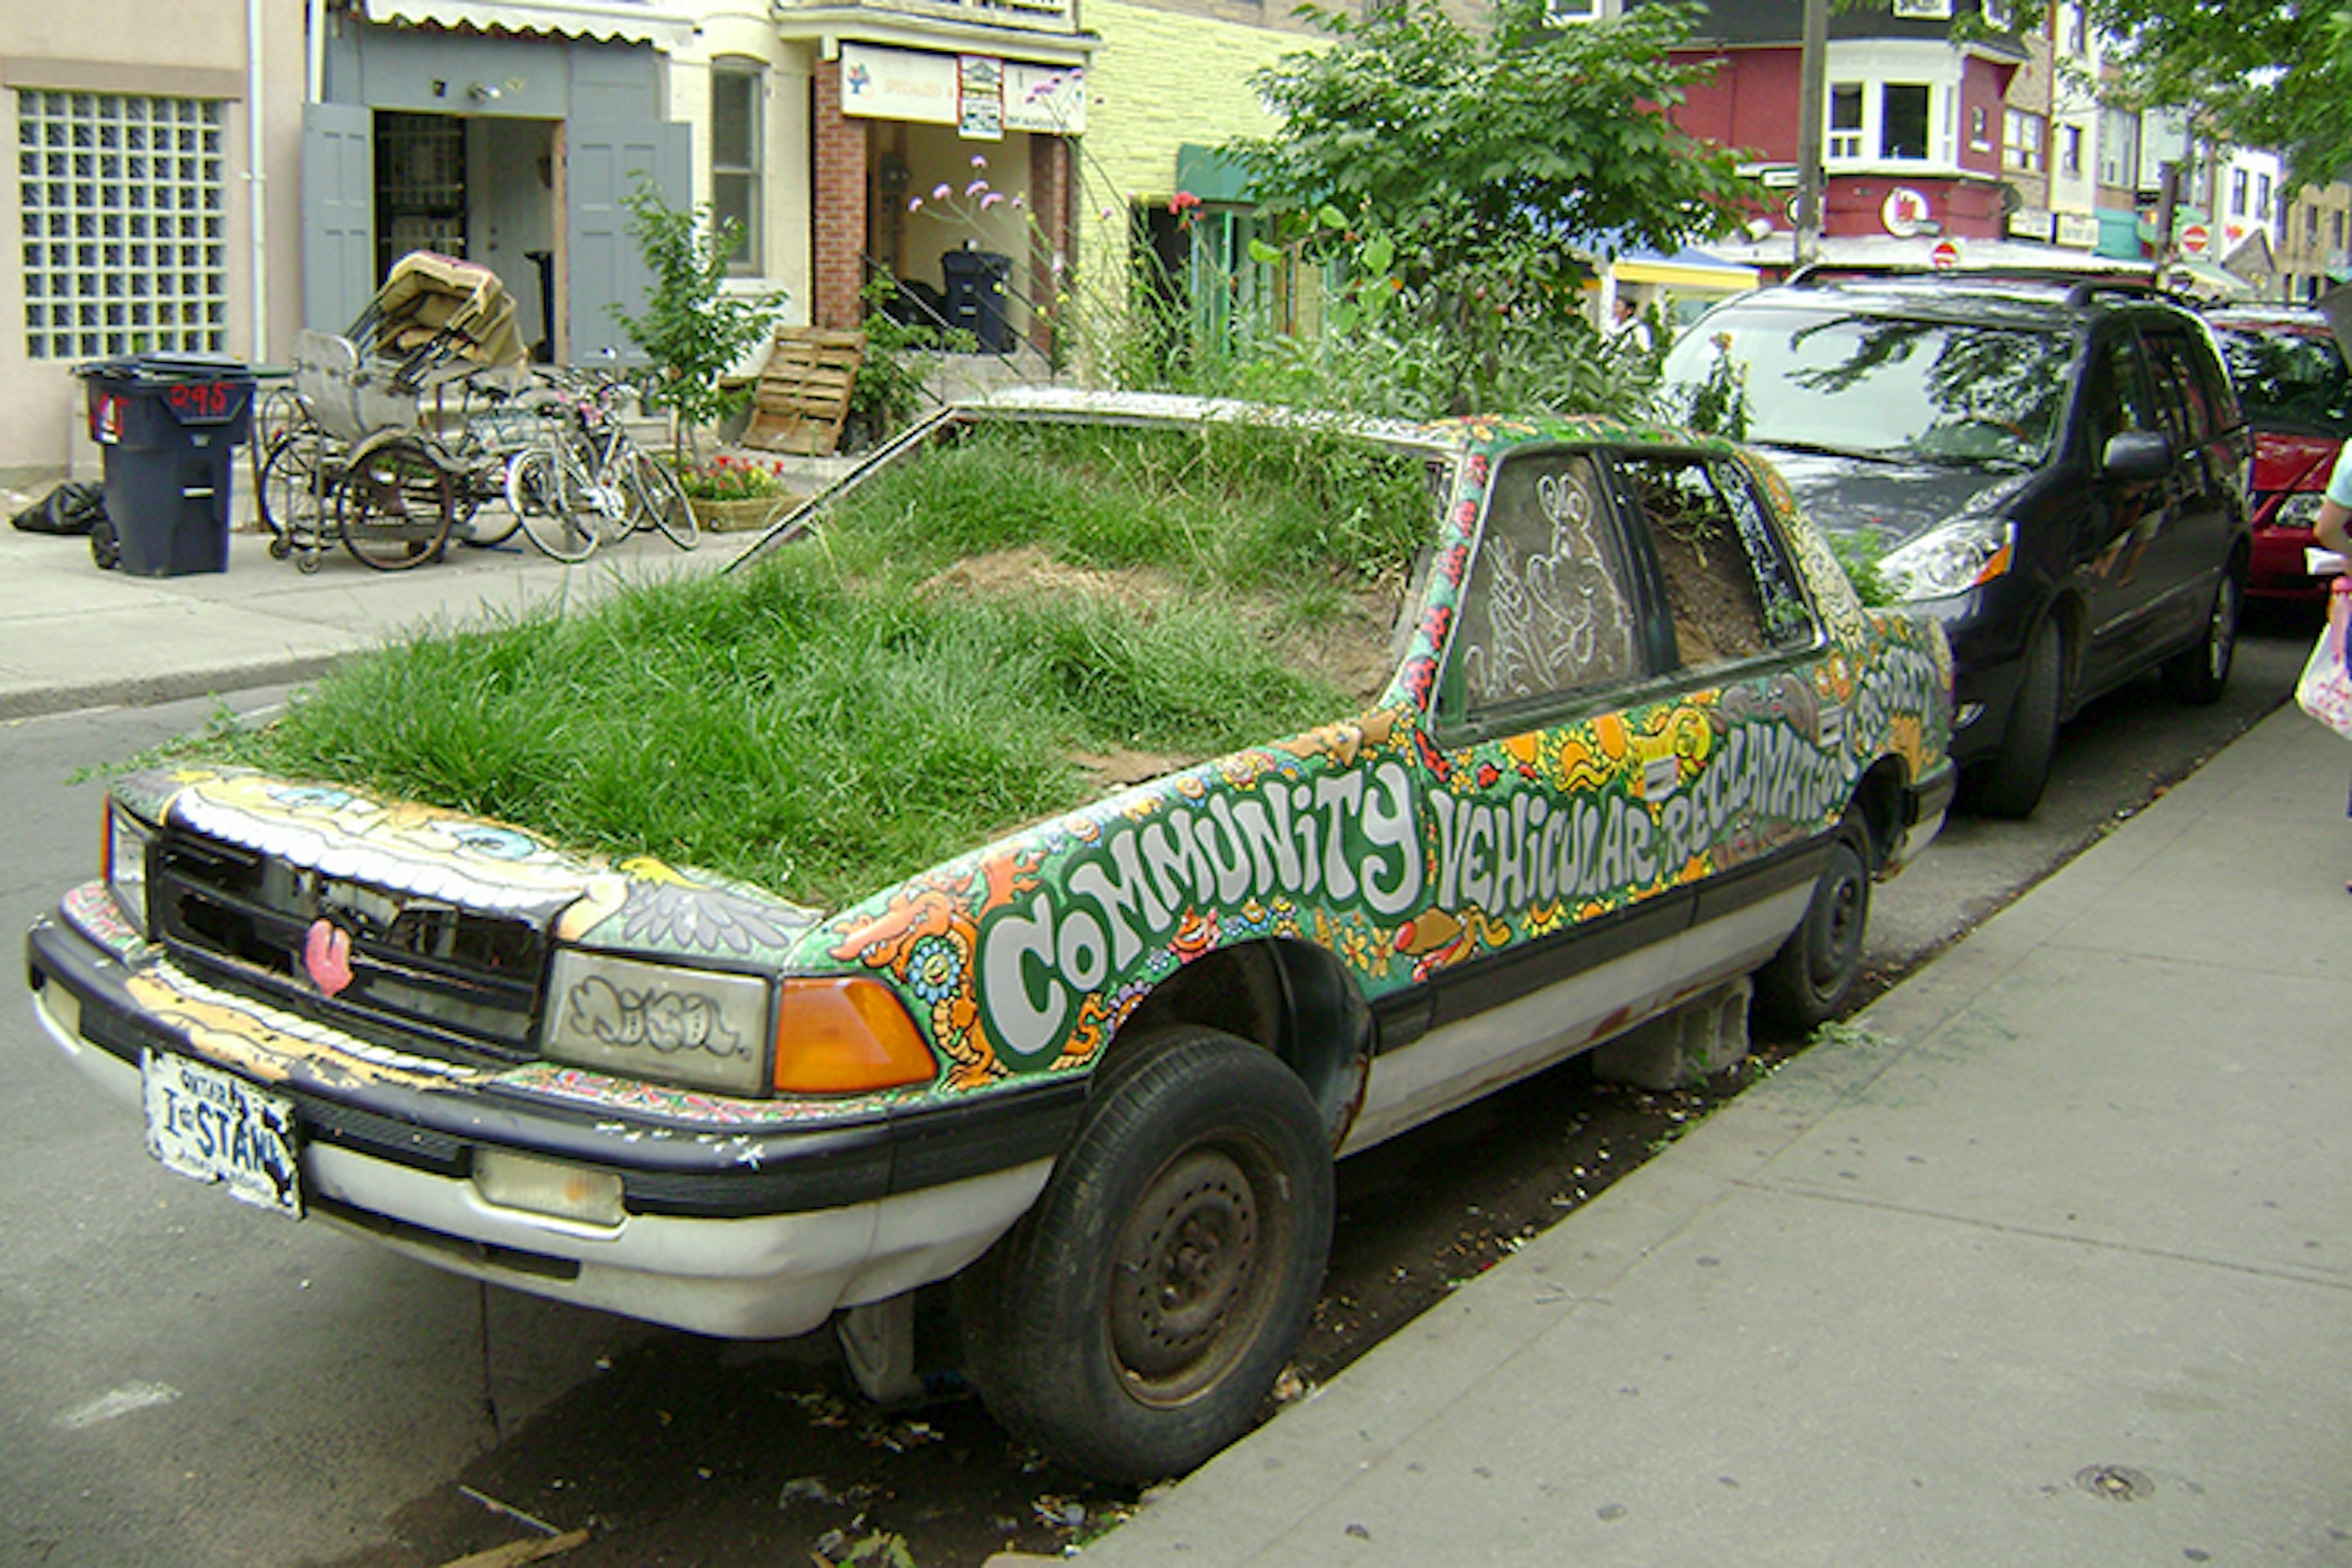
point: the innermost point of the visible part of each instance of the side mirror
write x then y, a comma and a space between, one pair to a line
2137, 455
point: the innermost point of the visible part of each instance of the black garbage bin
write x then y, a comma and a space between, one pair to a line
975, 294
168, 426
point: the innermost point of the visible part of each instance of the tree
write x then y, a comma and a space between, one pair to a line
2274, 74
691, 328
1488, 158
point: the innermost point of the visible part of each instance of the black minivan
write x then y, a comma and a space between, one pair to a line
2054, 469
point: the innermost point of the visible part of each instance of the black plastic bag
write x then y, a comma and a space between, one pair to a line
68, 508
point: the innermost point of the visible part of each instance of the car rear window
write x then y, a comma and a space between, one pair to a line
2289, 379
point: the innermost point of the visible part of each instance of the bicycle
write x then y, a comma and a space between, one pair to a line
588, 482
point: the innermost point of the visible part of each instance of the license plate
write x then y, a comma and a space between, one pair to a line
204, 1123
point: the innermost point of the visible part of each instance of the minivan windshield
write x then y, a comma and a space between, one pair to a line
1826, 379
2288, 379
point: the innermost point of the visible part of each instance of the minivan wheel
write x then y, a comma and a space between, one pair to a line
2200, 674
2011, 784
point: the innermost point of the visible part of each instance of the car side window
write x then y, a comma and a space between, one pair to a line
2115, 396
2189, 407
1730, 585
1546, 612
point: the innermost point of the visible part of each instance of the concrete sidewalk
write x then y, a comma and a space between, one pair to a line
2047, 1259
74, 636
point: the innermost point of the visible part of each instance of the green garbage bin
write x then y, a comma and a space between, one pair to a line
168, 426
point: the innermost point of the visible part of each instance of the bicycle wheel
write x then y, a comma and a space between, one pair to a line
657, 500
485, 519
292, 489
394, 504
545, 489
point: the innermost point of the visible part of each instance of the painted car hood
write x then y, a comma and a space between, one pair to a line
1897, 501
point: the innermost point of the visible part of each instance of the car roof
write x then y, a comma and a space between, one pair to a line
2301, 320
2013, 299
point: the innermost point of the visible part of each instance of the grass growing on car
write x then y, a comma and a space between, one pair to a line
871, 699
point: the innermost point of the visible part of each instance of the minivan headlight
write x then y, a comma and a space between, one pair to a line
1949, 559
127, 841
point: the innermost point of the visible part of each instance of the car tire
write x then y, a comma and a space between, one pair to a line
2011, 784
1808, 981
1134, 1322
2201, 675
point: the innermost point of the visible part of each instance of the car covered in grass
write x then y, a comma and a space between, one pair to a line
1030, 867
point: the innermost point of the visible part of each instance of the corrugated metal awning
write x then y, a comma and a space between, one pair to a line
622, 21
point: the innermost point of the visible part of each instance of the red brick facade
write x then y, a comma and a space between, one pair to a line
839, 196
1049, 200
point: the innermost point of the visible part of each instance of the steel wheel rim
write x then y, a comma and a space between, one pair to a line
1189, 1283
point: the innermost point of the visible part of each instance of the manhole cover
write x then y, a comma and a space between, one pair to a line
2118, 1483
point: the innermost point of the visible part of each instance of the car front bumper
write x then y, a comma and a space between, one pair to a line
738, 1233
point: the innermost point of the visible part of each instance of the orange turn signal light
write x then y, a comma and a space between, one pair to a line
845, 1034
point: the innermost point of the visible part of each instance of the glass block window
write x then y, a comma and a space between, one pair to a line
124, 224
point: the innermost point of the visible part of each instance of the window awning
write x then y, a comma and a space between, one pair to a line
619, 21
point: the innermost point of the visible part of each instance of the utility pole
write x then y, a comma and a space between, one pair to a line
2168, 202
1811, 111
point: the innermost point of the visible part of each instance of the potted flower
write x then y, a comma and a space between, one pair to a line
731, 493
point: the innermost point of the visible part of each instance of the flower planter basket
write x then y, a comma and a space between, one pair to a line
742, 514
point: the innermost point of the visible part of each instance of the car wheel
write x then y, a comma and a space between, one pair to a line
1809, 980
2200, 674
1135, 1320
2011, 783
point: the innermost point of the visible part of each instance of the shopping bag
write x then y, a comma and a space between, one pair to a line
2325, 689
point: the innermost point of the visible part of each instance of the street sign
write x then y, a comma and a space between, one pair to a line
1945, 256
2196, 240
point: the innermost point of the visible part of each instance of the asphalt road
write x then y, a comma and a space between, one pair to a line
188, 1383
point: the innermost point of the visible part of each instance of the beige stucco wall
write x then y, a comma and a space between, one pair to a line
747, 29
195, 49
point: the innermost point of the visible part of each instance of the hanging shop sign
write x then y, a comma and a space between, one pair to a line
980, 98
1905, 213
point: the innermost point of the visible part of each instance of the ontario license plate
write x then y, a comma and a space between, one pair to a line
204, 1123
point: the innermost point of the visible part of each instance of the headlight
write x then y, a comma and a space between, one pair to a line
1950, 560
661, 1022
128, 840
2300, 509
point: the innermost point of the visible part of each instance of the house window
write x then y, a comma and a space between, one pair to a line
2118, 147
2311, 225
735, 91
2076, 30
2262, 197
1561, 13
2070, 150
122, 200
2238, 183
1977, 128
2335, 230
1903, 120
2021, 139
1845, 120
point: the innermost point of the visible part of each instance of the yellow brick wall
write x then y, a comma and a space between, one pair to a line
1160, 79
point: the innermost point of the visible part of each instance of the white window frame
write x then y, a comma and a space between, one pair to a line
124, 208
2024, 135
750, 76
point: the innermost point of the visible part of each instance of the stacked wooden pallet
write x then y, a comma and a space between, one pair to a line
804, 392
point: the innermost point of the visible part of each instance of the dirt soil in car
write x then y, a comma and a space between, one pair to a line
692, 1451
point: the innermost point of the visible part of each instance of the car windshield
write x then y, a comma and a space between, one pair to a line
2288, 379
1871, 386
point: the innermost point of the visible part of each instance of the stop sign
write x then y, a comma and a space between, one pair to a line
1945, 256
2196, 240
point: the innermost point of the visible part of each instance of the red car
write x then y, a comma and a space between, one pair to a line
2297, 394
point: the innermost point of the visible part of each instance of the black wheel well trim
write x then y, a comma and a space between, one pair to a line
1288, 996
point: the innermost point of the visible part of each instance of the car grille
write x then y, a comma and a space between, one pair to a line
425, 976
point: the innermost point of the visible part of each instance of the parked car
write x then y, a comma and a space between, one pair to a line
1635, 741
2055, 471
2297, 394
